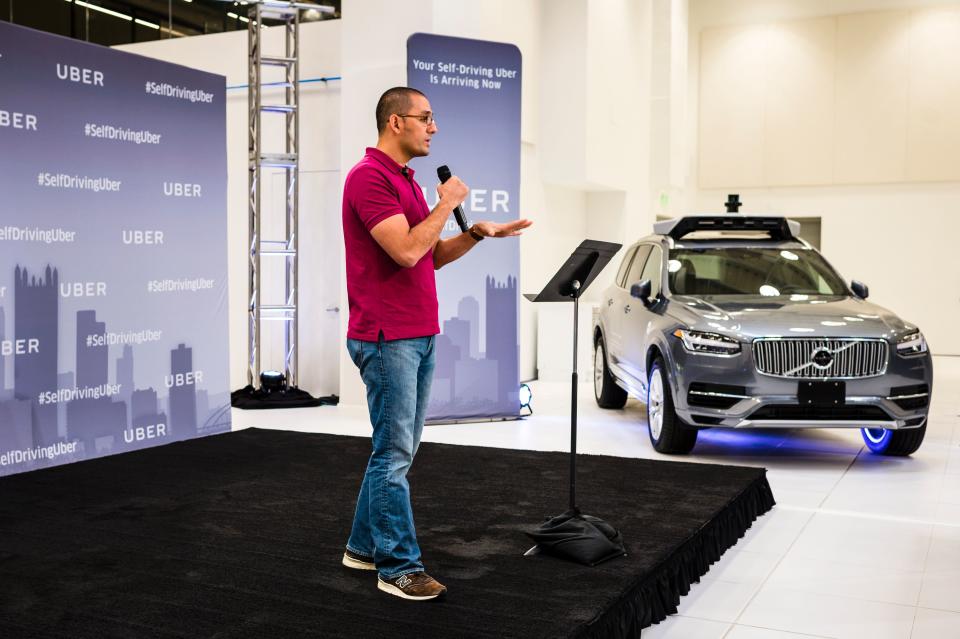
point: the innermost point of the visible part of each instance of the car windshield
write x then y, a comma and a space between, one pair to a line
767, 272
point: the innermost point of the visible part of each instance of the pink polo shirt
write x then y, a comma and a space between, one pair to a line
384, 296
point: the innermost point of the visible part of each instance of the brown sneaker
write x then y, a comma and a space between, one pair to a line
357, 561
418, 586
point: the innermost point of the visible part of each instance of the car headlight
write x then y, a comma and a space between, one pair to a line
707, 343
912, 344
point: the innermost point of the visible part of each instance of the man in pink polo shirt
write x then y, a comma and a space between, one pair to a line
393, 245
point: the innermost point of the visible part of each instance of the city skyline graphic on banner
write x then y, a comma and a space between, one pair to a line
479, 375
54, 415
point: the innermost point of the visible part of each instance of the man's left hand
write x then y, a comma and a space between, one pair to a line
507, 229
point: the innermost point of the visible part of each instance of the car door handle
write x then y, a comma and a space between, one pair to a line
626, 309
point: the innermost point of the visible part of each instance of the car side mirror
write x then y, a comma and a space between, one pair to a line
641, 291
860, 289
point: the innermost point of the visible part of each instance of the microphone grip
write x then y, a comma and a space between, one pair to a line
461, 218
444, 174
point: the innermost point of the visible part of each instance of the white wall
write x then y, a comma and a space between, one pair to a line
896, 237
320, 240
594, 119
849, 99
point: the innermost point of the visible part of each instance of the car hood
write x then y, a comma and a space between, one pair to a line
746, 317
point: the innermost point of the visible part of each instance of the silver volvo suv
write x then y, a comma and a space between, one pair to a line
734, 321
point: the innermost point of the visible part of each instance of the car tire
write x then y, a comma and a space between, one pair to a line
605, 388
896, 443
668, 433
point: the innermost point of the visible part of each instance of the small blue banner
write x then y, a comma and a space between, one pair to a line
474, 90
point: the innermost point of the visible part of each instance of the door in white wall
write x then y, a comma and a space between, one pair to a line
321, 256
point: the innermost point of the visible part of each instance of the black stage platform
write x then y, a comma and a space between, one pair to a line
240, 535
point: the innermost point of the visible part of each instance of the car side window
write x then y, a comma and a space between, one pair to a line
637, 267
624, 265
652, 271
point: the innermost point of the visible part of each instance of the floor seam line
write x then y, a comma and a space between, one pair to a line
792, 543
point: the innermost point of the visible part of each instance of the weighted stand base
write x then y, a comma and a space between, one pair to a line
291, 397
577, 537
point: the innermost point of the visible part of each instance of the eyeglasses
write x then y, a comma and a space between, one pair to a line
427, 119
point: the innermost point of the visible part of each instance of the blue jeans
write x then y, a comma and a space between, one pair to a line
397, 374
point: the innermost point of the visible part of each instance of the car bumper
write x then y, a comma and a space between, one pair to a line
728, 392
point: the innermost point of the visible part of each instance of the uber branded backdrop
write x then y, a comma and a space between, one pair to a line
474, 90
113, 262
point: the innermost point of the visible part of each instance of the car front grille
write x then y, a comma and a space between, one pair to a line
819, 358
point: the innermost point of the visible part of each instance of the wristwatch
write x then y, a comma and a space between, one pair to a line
476, 236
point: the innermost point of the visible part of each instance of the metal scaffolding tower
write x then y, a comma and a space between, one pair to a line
287, 15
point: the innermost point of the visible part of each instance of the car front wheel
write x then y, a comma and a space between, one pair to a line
668, 434
605, 388
897, 443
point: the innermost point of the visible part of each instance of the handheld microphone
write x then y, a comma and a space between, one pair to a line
444, 174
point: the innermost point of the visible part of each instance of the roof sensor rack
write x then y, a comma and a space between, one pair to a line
779, 228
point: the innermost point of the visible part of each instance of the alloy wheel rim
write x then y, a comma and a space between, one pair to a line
655, 404
598, 371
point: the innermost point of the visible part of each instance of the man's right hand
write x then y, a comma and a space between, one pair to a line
452, 192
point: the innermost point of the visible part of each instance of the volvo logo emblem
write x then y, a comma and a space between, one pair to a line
822, 359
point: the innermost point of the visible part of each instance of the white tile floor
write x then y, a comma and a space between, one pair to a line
857, 546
